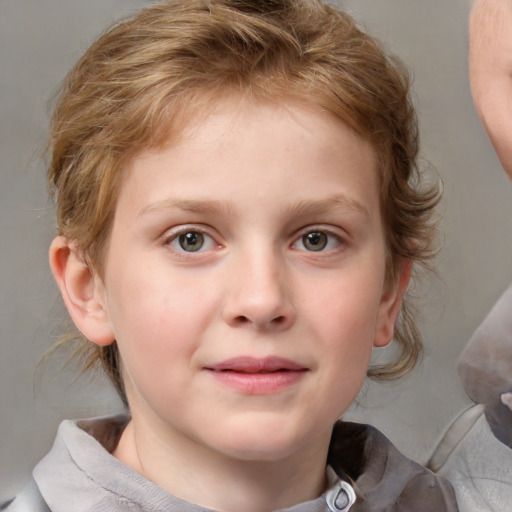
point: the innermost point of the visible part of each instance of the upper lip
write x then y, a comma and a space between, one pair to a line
256, 365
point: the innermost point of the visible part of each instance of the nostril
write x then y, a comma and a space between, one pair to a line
278, 320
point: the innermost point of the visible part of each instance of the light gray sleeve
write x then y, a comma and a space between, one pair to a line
29, 500
485, 367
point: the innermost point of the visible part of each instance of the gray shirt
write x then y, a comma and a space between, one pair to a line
80, 475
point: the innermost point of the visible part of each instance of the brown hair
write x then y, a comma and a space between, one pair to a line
141, 81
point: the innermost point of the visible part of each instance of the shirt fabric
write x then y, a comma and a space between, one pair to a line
476, 451
370, 475
478, 465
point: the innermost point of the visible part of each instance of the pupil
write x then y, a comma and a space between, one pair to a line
315, 241
192, 241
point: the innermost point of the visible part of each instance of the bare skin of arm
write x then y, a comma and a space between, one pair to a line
490, 64
485, 365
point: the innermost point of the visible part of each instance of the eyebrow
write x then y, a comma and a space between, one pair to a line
305, 207
329, 204
187, 205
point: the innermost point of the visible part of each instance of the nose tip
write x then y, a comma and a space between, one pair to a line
259, 300
278, 322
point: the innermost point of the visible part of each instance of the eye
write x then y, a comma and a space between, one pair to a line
316, 241
191, 241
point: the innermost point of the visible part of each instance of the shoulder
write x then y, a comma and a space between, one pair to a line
80, 453
28, 500
477, 463
382, 475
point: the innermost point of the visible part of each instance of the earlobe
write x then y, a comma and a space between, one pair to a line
82, 291
390, 305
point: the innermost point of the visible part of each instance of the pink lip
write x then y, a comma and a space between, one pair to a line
257, 376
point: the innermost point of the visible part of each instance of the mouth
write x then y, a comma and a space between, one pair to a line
255, 376
255, 365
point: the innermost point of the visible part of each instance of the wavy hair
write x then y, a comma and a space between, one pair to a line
143, 80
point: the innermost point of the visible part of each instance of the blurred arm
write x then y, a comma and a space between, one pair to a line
490, 65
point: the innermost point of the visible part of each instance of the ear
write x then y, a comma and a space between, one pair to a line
391, 302
82, 291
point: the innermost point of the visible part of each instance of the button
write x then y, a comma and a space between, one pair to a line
340, 497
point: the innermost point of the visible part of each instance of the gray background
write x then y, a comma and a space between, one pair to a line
39, 41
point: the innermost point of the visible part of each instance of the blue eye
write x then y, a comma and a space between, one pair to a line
192, 241
317, 241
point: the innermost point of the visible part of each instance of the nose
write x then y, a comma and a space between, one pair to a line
259, 294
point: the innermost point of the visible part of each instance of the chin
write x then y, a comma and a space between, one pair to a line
259, 451
263, 442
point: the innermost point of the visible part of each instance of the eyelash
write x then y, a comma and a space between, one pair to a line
174, 239
330, 239
325, 240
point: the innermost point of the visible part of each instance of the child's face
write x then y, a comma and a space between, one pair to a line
245, 280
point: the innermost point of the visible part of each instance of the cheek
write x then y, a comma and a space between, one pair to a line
345, 321
156, 342
150, 295
155, 317
345, 312
159, 317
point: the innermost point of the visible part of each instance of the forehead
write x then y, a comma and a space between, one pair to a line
242, 150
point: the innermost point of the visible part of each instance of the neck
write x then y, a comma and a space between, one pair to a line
193, 473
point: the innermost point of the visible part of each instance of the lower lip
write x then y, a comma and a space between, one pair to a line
259, 383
